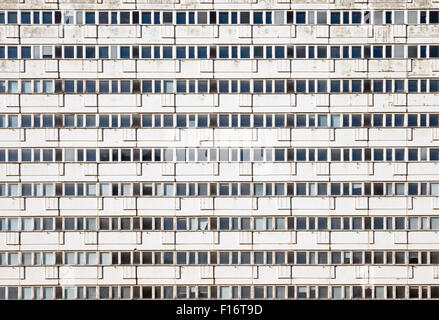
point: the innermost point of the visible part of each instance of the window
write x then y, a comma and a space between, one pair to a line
25, 17
321, 17
91, 190
356, 85
356, 52
244, 17
279, 52
89, 18
412, 17
335, 17
356, 154
434, 16
25, 52
434, 51
356, 188
257, 18
103, 17
321, 52
90, 52
90, 86
12, 17
12, 52
245, 52
12, 121
335, 52
300, 17
47, 17
356, 17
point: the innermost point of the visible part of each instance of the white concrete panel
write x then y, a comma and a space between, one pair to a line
312, 272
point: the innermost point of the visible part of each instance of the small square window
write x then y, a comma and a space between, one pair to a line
412, 17
300, 17
258, 52
321, 86
244, 17
321, 17
335, 17
69, 52
412, 52
322, 52
124, 52
356, 85
12, 17
167, 52
279, 52
89, 18
25, 17
257, 18
335, 52
103, 17
124, 18
356, 52
202, 52
167, 17
12, 52
103, 52
181, 17
146, 17
335, 85
223, 18
377, 51
202, 17
356, 17
399, 17
399, 85
90, 52
245, 52
398, 52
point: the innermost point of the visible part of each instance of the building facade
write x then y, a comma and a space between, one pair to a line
245, 149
